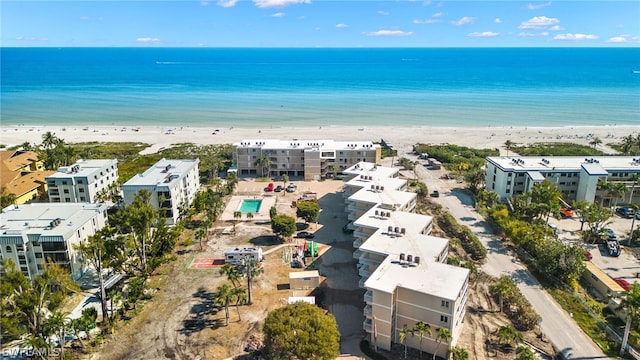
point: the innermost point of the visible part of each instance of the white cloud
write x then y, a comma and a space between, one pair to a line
227, 3
463, 21
556, 28
380, 12
204, 3
438, 14
388, 33
624, 38
483, 34
498, 21
341, 25
278, 3
575, 37
426, 21
148, 40
278, 14
528, 34
538, 22
538, 6
31, 38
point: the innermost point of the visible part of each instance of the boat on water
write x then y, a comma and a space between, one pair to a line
635, 71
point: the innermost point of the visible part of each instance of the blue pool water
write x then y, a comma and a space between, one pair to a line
250, 206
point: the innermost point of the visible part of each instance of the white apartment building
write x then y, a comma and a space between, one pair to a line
81, 181
576, 176
312, 159
172, 183
401, 266
32, 233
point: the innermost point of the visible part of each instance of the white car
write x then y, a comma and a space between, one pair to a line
291, 187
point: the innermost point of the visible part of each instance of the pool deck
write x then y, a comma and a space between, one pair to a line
234, 204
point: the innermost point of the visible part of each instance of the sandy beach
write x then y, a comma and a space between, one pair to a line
401, 138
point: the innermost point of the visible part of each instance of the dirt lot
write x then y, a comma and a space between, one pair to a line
181, 322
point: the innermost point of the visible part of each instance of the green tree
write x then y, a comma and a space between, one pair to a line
444, 335
285, 180
232, 274
283, 226
237, 215
139, 219
524, 353
263, 162
240, 297
595, 142
617, 191
508, 145
95, 250
249, 216
249, 268
631, 302
224, 296
503, 289
135, 290
200, 235
6, 198
231, 182
636, 210
308, 210
273, 211
402, 337
508, 335
301, 331
635, 180
421, 329
459, 354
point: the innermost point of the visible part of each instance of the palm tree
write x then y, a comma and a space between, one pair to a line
631, 301
618, 190
635, 178
249, 268
231, 272
444, 335
224, 296
285, 180
421, 329
249, 216
403, 336
595, 142
459, 354
6, 198
508, 145
264, 162
26, 146
201, 234
627, 144
49, 140
636, 209
237, 215
525, 353
606, 188
240, 297
503, 289
508, 335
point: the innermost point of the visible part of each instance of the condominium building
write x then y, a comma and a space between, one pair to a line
82, 181
31, 234
172, 184
402, 267
23, 175
576, 176
312, 159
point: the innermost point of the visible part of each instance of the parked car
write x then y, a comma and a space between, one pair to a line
609, 233
623, 283
305, 235
613, 247
625, 212
566, 212
435, 193
291, 187
278, 188
588, 255
270, 187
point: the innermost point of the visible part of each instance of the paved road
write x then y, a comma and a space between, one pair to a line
557, 324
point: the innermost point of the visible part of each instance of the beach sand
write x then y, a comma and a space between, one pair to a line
401, 138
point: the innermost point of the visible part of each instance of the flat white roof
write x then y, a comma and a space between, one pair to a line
427, 247
363, 181
308, 299
328, 145
83, 168
412, 222
303, 274
164, 171
371, 169
35, 219
391, 197
565, 163
436, 279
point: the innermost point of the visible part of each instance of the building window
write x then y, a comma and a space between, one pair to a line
445, 304
66, 191
67, 199
444, 319
80, 182
81, 190
64, 182
9, 249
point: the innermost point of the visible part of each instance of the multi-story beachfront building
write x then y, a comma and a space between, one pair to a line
313, 159
576, 176
23, 175
401, 266
82, 181
32, 233
172, 184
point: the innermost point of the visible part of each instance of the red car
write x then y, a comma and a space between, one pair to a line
623, 283
269, 187
588, 255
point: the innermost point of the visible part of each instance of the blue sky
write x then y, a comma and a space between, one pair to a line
320, 23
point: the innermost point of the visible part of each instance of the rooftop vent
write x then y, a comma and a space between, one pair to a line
390, 229
416, 260
401, 257
409, 258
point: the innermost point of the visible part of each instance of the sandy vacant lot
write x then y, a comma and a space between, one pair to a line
181, 322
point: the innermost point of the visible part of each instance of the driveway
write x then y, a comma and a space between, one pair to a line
556, 324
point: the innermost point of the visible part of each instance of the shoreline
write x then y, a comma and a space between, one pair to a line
401, 138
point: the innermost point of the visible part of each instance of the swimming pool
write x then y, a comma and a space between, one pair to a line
250, 206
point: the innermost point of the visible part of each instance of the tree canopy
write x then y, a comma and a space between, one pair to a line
283, 225
308, 210
301, 331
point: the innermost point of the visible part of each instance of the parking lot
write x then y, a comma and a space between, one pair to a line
626, 266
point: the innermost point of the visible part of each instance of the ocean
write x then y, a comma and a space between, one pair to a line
249, 87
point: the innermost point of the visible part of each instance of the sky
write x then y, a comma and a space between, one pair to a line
319, 23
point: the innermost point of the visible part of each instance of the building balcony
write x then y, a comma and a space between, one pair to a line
352, 217
364, 271
371, 263
361, 234
367, 311
367, 325
357, 243
368, 297
361, 283
357, 254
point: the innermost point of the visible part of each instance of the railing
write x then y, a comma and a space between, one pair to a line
368, 297
367, 326
361, 283
367, 311
356, 254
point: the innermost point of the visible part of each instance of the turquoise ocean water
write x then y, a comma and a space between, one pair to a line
244, 87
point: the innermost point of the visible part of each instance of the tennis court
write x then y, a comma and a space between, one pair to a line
206, 263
